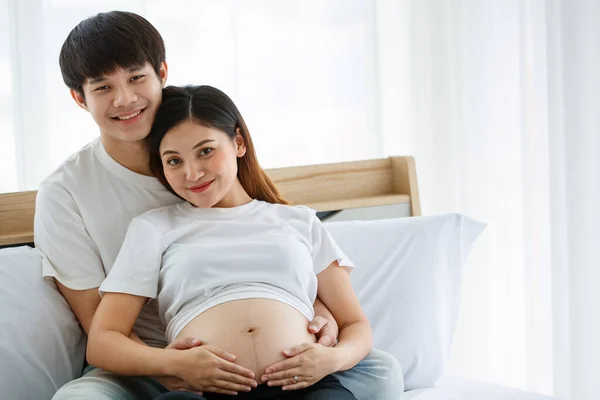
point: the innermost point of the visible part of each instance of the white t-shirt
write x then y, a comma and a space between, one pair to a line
82, 213
191, 259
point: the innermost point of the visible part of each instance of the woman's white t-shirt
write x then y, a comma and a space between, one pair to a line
191, 259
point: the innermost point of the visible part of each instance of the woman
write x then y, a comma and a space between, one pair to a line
232, 265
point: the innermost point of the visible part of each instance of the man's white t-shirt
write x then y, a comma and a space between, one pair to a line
192, 259
82, 213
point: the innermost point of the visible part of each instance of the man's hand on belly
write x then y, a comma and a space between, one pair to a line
323, 325
325, 331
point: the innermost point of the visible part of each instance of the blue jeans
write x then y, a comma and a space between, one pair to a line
377, 377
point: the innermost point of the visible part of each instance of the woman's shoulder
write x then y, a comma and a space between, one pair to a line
158, 217
285, 211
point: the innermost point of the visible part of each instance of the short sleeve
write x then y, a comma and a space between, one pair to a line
324, 249
69, 253
137, 267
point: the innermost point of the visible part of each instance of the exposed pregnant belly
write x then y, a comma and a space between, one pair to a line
255, 330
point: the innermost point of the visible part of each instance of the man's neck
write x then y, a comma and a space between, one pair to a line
131, 155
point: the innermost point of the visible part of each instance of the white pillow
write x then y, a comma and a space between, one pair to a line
41, 343
407, 277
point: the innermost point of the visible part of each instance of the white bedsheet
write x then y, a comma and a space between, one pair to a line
462, 389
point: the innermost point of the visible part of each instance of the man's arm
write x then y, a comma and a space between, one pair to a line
84, 304
72, 258
324, 325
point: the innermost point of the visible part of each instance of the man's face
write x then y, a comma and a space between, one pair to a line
124, 102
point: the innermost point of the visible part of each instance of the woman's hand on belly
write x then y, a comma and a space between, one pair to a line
209, 369
307, 364
255, 330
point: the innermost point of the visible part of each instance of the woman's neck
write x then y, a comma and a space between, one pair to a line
236, 197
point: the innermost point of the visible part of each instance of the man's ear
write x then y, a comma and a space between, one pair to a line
79, 99
240, 145
163, 72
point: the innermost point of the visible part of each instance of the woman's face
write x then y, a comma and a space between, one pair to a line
200, 164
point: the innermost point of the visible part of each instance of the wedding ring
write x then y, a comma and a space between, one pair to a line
295, 378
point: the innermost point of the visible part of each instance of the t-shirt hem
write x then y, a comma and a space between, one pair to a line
73, 284
126, 290
175, 327
342, 262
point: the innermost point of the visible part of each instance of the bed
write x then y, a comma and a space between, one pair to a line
329, 189
365, 205
453, 388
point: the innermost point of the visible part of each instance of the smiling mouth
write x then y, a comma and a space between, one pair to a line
130, 116
201, 188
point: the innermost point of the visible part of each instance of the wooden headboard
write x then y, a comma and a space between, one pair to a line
325, 187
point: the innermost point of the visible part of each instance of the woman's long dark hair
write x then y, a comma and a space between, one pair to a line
210, 107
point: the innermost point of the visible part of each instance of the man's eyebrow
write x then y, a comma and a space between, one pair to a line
99, 79
135, 68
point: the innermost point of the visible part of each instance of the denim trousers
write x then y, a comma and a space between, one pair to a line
377, 377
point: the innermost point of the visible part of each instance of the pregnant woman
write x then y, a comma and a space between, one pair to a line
232, 264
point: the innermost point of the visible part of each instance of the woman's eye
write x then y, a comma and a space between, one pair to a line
206, 151
174, 161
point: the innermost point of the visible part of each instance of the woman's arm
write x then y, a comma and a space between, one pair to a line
355, 338
310, 362
110, 346
84, 304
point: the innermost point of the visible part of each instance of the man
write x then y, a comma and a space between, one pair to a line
114, 65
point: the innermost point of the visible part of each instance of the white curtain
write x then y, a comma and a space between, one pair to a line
498, 101
301, 73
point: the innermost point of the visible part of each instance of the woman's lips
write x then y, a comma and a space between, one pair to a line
201, 188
